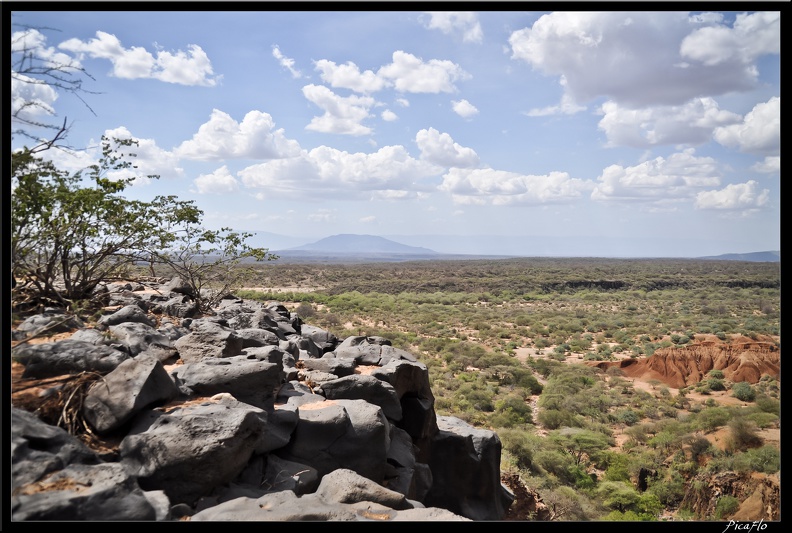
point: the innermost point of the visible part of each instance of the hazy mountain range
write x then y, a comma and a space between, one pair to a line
412, 247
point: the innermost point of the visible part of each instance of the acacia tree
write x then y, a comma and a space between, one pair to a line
67, 237
208, 261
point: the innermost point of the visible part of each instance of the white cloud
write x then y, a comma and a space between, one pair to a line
464, 22
498, 187
658, 180
285, 62
440, 149
371, 219
389, 116
33, 42
752, 36
463, 108
185, 68
342, 115
637, 58
567, 106
30, 99
770, 165
150, 159
734, 197
759, 133
322, 215
690, 123
348, 76
218, 182
73, 160
222, 137
327, 172
403, 102
411, 74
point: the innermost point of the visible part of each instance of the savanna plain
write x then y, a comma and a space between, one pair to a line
621, 389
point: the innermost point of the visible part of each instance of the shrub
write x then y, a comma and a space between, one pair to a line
725, 506
744, 434
743, 391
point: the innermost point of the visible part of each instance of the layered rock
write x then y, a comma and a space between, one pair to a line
680, 367
245, 415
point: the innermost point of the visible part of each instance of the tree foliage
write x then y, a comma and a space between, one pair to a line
71, 232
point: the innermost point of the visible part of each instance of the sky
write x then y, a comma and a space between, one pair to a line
548, 133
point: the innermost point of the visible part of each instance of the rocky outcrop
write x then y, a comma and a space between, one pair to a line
245, 415
684, 366
759, 493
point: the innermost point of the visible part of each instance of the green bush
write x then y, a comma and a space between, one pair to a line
726, 506
743, 391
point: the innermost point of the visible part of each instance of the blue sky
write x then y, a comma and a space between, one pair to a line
609, 133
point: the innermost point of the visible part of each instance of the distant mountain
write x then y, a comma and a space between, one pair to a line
357, 247
766, 257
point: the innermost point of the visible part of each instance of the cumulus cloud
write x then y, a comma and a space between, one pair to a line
644, 58
410, 74
689, 123
498, 187
31, 99
751, 36
389, 116
463, 108
759, 133
744, 197
218, 182
285, 62
681, 175
185, 68
150, 159
567, 106
325, 172
342, 115
440, 149
456, 22
222, 137
348, 76
73, 160
32, 41
770, 165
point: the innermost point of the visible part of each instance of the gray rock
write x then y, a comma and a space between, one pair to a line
134, 385
363, 387
257, 337
128, 313
84, 492
466, 473
51, 321
246, 379
334, 434
38, 449
139, 337
193, 448
66, 357
364, 444
208, 339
